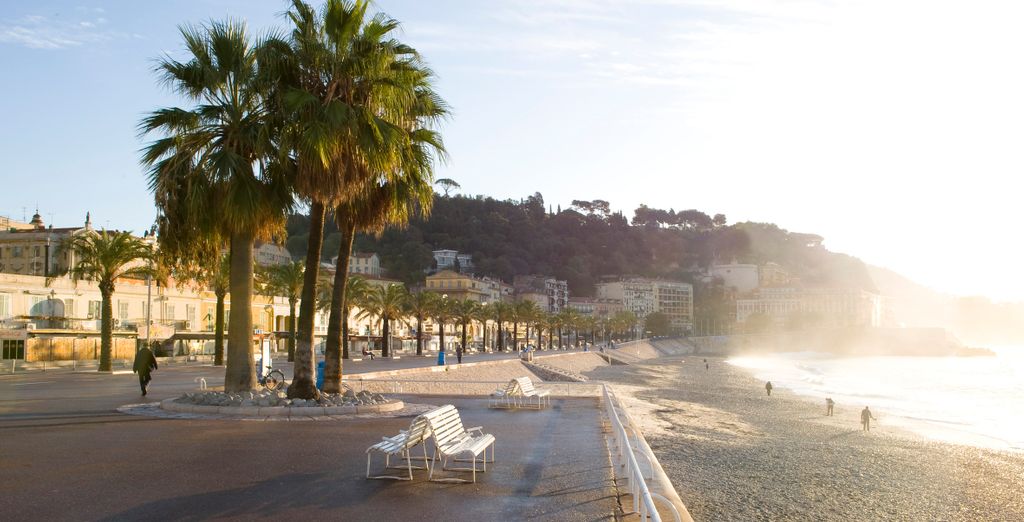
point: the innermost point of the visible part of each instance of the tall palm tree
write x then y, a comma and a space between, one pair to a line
484, 313
465, 312
528, 311
443, 315
215, 172
284, 281
219, 280
330, 69
420, 307
569, 320
501, 313
105, 258
356, 291
386, 303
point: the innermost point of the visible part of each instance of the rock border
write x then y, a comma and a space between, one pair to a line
281, 411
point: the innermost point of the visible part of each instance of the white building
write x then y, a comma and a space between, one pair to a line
741, 278
552, 295
452, 260
645, 296
269, 254
36, 249
365, 264
820, 306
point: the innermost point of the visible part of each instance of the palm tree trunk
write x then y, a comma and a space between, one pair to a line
338, 319
240, 374
440, 328
419, 336
527, 334
501, 336
291, 329
540, 337
515, 335
464, 337
106, 330
385, 344
218, 332
484, 340
303, 386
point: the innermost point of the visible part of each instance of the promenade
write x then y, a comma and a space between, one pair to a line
67, 454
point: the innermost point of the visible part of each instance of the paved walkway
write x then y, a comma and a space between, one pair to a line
551, 465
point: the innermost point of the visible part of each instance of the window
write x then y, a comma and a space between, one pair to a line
5, 306
190, 314
170, 312
37, 253
95, 309
16, 251
13, 348
69, 308
122, 310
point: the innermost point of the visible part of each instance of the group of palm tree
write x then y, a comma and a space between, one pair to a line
336, 115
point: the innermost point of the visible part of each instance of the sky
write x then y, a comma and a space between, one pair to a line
892, 128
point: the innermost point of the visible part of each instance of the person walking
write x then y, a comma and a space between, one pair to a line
145, 363
865, 418
829, 406
458, 353
706, 365
768, 388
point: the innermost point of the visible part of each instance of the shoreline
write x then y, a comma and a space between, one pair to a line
736, 454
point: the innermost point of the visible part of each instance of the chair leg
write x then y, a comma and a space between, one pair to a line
368, 455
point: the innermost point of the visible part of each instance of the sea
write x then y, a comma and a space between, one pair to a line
977, 401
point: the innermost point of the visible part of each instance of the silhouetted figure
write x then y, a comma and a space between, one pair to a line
145, 363
865, 418
706, 365
829, 406
368, 353
768, 388
458, 353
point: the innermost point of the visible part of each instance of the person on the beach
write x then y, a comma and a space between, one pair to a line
768, 388
458, 353
865, 418
829, 406
706, 366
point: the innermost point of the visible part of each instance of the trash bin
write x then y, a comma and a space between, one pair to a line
440, 358
320, 375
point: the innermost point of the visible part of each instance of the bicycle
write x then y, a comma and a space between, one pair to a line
272, 380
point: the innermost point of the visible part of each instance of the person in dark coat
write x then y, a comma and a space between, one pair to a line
458, 353
145, 363
768, 387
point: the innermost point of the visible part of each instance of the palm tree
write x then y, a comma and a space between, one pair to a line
334, 64
568, 319
465, 312
285, 281
442, 315
105, 258
385, 303
215, 174
219, 280
528, 311
483, 314
356, 291
421, 306
501, 312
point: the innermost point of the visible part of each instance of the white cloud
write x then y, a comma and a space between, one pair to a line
41, 32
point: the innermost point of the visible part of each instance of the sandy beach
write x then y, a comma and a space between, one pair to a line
734, 453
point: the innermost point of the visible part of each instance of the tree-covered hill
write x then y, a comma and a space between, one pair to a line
588, 241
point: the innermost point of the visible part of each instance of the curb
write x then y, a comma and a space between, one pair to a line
280, 411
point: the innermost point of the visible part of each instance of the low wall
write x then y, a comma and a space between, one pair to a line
51, 349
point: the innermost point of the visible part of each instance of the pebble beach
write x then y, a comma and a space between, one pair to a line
733, 453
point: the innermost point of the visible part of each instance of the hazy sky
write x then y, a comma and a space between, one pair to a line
892, 128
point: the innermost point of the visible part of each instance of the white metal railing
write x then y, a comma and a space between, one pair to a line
465, 387
643, 498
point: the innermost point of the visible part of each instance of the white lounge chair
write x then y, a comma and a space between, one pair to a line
538, 397
505, 397
452, 440
402, 445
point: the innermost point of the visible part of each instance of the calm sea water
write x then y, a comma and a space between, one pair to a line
966, 400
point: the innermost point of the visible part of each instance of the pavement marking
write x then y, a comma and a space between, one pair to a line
30, 383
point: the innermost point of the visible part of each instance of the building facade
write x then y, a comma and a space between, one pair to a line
825, 307
643, 297
595, 307
269, 254
452, 260
363, 263
738, 277
36, 249
555, 291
